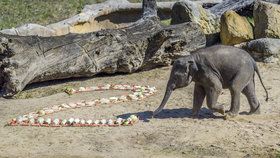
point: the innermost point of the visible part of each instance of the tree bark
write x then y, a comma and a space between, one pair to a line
141, 46
242, 7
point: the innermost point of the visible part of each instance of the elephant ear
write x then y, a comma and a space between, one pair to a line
193, 67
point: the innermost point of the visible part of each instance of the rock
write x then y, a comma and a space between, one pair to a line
267, 20
268, 46
235, 29
209, 19
271, 59
264, 49
187, 11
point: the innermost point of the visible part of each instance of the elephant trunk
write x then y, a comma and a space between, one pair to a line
169, 89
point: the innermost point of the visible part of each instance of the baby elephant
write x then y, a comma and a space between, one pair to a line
213, 69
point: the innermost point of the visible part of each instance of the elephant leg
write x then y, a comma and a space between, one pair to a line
235, 103
212, 94
249, 92
198, 98
238, 84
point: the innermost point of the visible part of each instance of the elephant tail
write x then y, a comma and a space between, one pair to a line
258, 73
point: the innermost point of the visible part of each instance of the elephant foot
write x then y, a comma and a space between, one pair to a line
195, 116
220, 109
195, 113
229, 115
255, 111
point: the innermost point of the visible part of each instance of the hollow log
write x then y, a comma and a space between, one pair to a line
242, 7
143, 45
236, 5
111, 14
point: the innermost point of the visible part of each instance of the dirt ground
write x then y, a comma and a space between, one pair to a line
172, 134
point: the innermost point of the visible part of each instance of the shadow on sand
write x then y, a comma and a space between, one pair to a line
173, 113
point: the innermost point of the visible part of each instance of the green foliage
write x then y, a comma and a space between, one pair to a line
37, 93
251, 21
68, 90
14, 13
278, 154
166, 22
18, 12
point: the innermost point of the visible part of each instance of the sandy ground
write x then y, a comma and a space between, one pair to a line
173, 134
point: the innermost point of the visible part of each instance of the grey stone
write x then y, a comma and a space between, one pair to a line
264, 49
188, 11
265, 46
267, 20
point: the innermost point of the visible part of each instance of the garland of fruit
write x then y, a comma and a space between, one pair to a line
36, 118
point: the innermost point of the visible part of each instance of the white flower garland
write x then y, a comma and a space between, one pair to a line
36, 118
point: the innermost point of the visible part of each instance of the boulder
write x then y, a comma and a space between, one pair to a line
235, 29
188, 11
208, 19
267, 20
266, 46
264, 49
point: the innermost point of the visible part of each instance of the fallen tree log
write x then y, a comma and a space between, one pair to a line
143, 45
236, 5
111, 14
242, 7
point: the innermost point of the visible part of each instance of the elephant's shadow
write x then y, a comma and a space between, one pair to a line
173, 113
